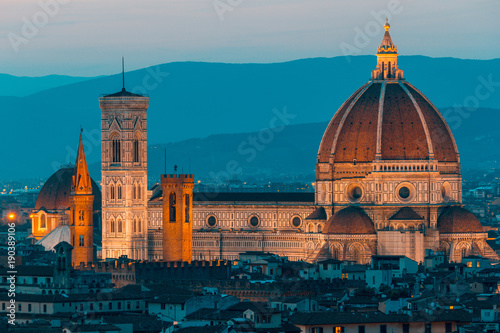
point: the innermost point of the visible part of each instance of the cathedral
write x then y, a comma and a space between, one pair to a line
388, 182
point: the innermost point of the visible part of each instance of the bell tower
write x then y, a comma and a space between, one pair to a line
124, 175
81, 211
177, 217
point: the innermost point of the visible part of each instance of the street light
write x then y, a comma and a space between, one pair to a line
12, 216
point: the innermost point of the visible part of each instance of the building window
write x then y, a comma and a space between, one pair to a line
136, 150
296, 222
119, 305
172, 207
134, 192
338, 329
81, 216
447, 327
112, 226
100, 306
82, 240
406, 328
134, 228
139, 191
361, 329
211, 221
404, 192
119, 190
112, 192
186, 208
254, 221
45, 308
43, 222
139, 225
120, 226
116, 151
383, 328
110, 306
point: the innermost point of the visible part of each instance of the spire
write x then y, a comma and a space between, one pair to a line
81, 183
123, 74
387, 58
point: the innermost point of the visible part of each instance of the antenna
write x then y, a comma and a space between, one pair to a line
165, 159
123, 73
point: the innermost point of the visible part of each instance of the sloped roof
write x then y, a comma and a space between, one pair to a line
60, 234
318, 214
406, 213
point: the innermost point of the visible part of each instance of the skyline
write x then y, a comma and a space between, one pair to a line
88, 38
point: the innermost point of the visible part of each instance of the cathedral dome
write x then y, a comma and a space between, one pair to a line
55, 193
387, 119
456, 219
350, 220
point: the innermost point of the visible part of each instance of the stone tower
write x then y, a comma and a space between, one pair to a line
81, 211
177, 217
124, 175
63, 264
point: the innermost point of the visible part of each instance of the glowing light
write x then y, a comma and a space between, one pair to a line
12, 216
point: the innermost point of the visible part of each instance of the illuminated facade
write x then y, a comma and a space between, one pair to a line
124, 175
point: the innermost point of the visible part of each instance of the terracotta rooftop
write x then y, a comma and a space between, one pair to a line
318, 214
350, 220
406, 213
456, 219
55, 193
411, 127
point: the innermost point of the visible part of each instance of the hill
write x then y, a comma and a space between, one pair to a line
195, 100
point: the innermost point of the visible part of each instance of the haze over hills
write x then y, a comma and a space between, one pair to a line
21, 86
291, 153
195, 100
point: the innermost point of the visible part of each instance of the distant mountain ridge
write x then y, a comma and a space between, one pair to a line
195, 100
291, 154
20, 86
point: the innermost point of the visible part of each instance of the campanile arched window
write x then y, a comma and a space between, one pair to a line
135, 150
115, 149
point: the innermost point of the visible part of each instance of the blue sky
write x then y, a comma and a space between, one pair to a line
88, 37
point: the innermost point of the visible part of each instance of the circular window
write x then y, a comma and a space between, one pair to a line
404, 192
296, 222
211, 221
254, 221
354, 193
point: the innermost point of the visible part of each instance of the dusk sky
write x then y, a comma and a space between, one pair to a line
88, 37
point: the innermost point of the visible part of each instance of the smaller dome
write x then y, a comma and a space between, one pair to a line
350, 220
456, 219
56, 191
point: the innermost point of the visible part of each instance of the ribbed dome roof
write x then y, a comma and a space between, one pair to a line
55, 193
391, 119
456, 219
350, 220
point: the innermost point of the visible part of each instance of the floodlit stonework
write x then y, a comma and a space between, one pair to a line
388, 182
124, 175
